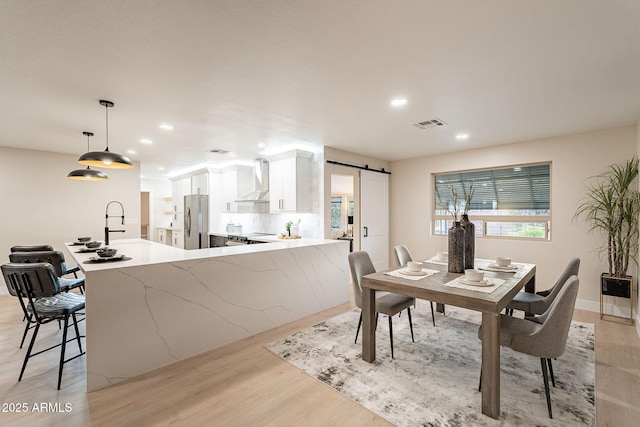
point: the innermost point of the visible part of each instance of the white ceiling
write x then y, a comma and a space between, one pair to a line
231, 74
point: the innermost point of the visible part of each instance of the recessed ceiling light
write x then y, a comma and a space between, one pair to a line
462, 136
160, 168
165, 126
146, 141
261, 144
398, 102
131, 151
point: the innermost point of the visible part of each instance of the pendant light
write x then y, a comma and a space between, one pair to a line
87, 174
106, 159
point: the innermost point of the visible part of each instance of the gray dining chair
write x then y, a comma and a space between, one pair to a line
386, 302
545, 338
539, 302
403, 256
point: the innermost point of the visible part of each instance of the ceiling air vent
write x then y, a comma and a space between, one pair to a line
430, 123
219, 151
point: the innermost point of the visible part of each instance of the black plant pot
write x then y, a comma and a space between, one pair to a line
469, 241
616, 286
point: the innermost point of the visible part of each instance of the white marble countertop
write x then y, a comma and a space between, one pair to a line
144, 252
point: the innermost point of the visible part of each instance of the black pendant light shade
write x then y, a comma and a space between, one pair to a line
106, 159
87, 174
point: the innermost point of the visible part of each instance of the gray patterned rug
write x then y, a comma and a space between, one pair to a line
434, 381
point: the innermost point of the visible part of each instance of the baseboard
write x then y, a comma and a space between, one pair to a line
609, 309
612, 309
587, 305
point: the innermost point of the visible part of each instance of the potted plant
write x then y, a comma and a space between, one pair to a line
612, 207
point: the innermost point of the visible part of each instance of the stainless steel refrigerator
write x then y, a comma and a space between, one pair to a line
196, 222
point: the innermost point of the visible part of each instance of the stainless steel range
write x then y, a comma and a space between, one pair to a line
244, 239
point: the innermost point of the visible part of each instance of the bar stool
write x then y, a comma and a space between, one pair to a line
56, 259
37, 288
46, 248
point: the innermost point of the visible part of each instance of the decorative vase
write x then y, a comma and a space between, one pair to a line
456, 248
469, 241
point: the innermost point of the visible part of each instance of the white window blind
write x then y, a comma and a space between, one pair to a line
513, 202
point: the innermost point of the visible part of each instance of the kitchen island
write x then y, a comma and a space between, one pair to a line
167, 304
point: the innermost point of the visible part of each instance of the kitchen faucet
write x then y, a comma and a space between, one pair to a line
106, 222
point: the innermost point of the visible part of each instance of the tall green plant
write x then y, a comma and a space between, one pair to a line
612, 207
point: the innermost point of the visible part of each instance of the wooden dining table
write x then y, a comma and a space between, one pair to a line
433, 288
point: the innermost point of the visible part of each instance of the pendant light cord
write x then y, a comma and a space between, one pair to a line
106, 112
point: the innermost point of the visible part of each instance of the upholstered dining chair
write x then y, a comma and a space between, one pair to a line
37, 287
403, 256
56, 259
386, 303
547, 337
539, 302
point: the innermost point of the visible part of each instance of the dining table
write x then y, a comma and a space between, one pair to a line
441, 286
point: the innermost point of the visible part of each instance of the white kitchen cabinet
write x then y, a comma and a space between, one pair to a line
177, 220
177, 240
236, 182
290, 182
200, 184
162, 235
179, 189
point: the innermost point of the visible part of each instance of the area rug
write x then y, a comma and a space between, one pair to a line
434, 381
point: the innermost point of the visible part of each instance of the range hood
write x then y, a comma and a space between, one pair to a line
260, 192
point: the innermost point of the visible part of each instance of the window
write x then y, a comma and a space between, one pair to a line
510, 202
341, 211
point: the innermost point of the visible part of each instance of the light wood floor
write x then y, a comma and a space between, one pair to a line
243, 384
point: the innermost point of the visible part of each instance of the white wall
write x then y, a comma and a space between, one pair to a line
573, 157
41, 206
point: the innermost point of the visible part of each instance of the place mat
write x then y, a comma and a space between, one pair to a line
399, 273
103, 260
455, 283
501, 269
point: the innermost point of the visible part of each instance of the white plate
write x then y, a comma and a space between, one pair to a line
501, 267
467, 282
413, 273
